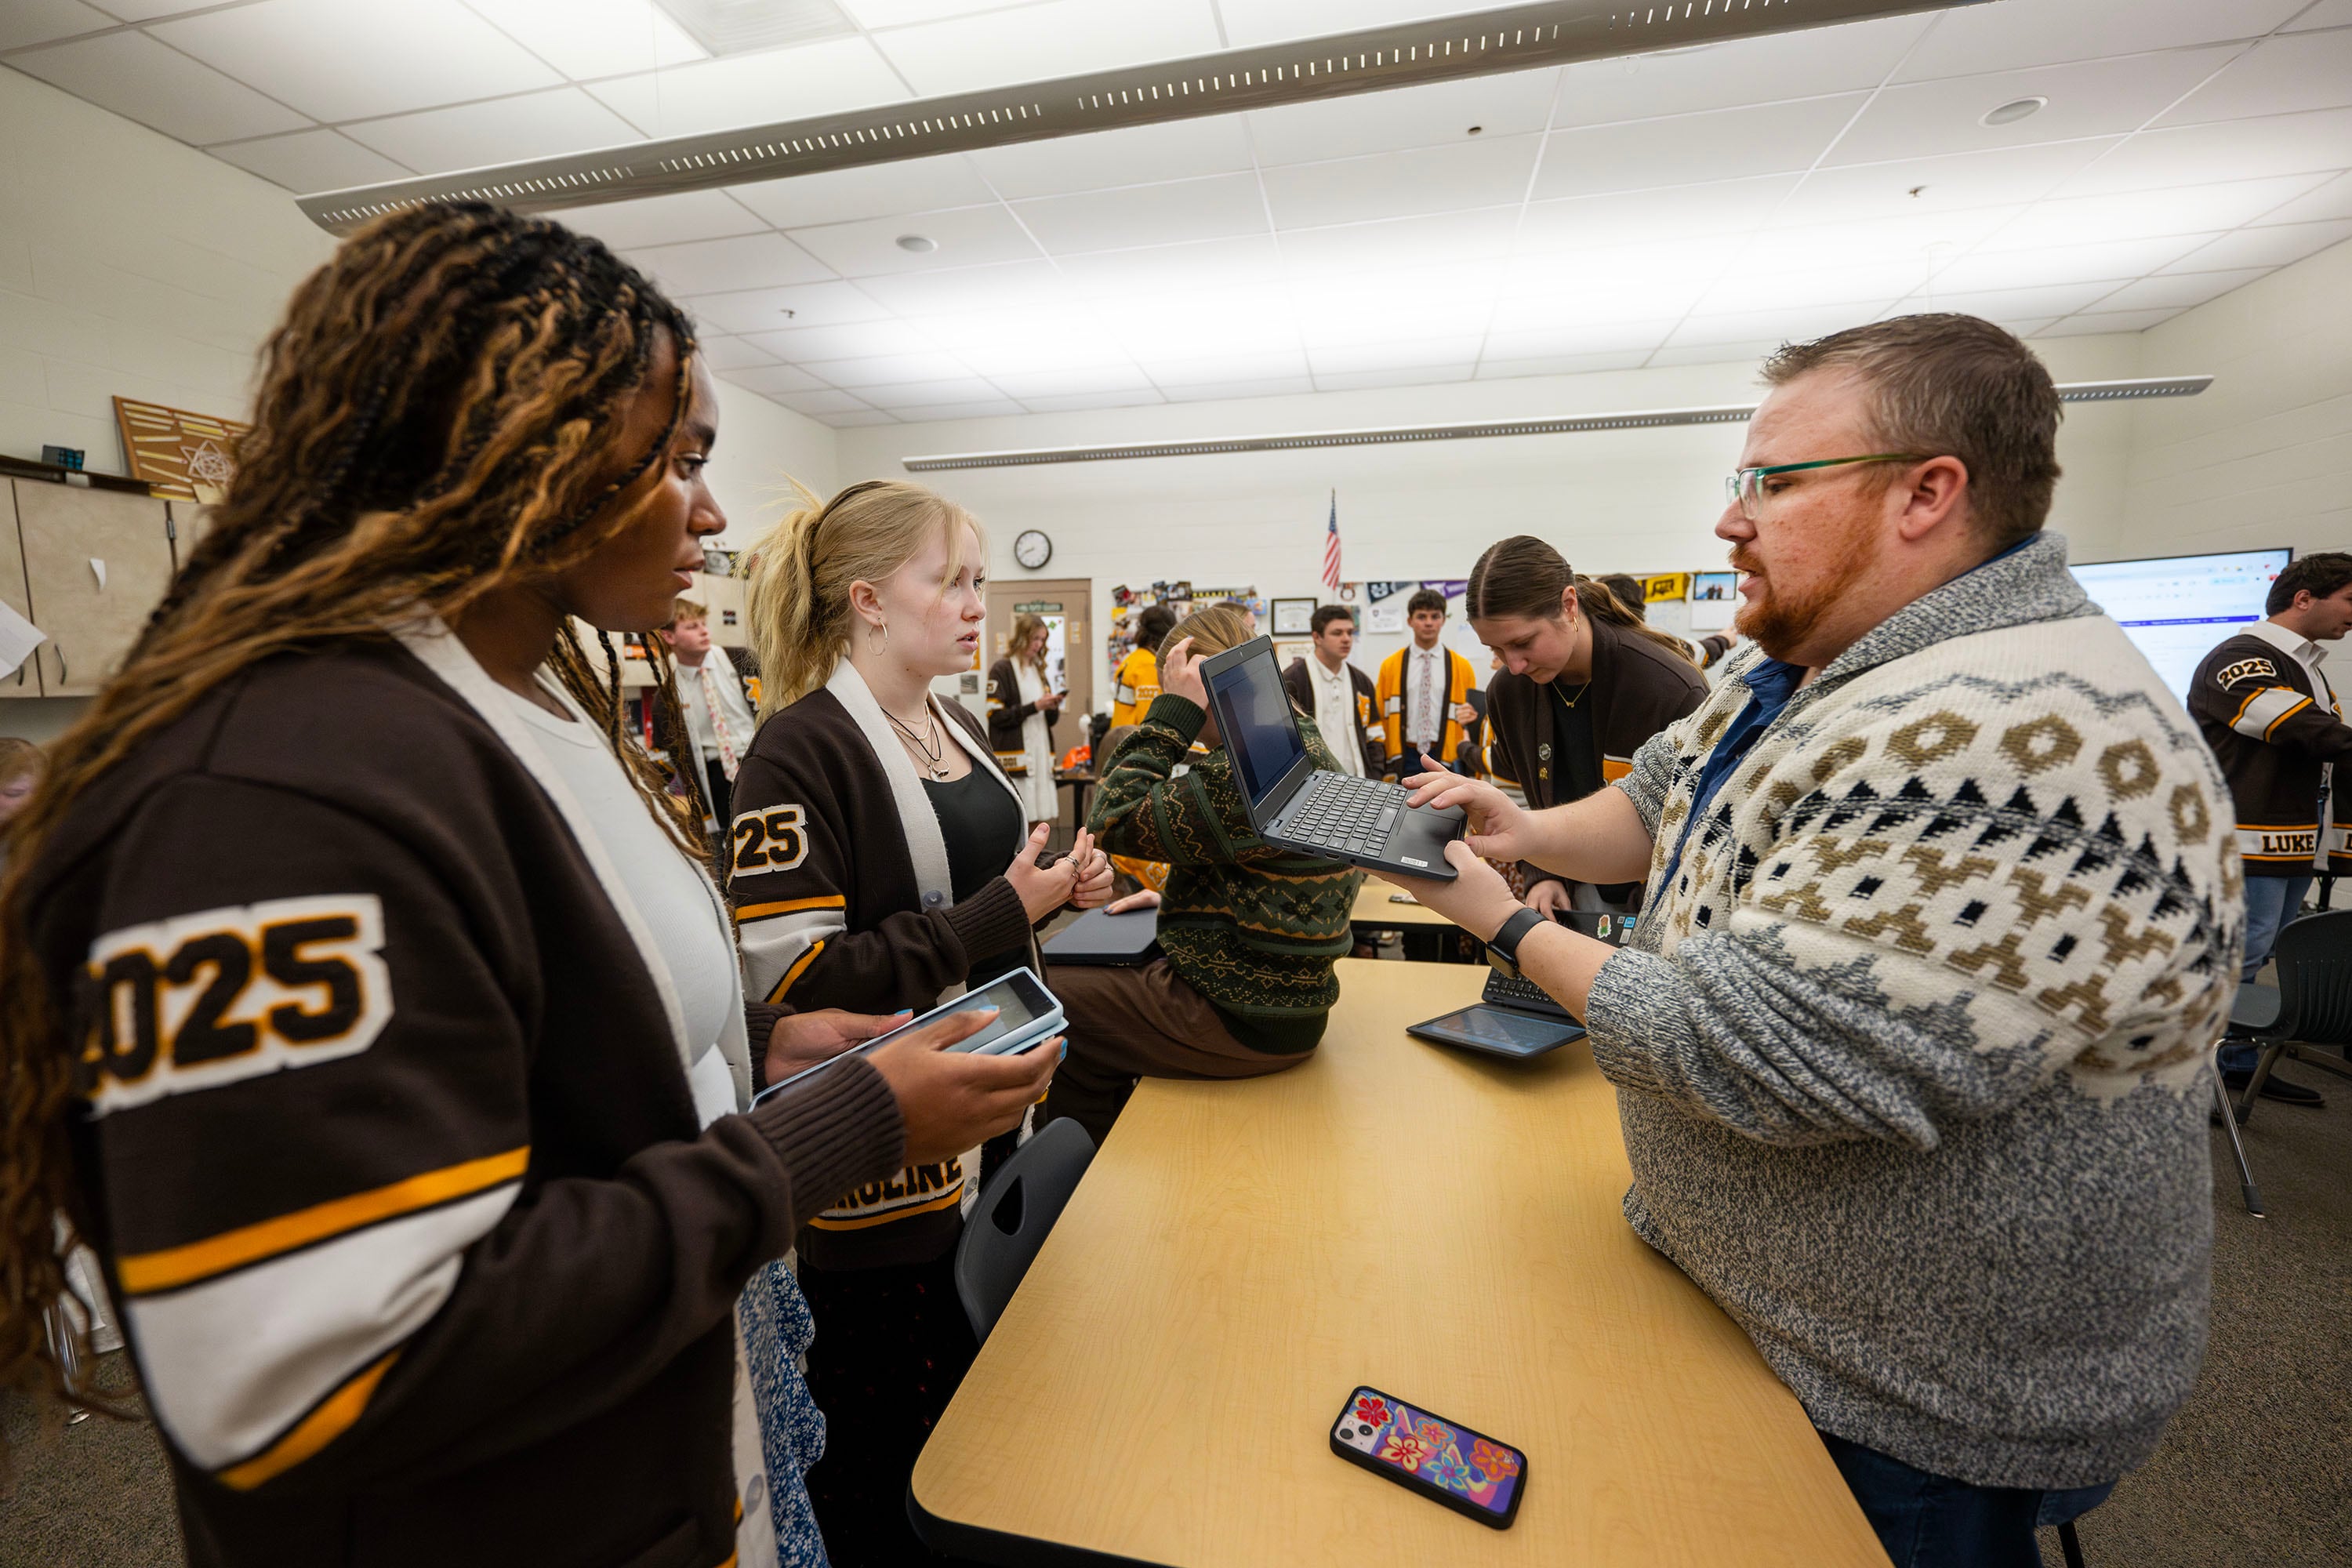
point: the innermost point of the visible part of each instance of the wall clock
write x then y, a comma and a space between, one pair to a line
1033, 550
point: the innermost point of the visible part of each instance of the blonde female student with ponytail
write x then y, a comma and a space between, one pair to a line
882, 860
366, 1003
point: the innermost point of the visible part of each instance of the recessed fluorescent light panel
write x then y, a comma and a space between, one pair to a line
1562, 424
744, 27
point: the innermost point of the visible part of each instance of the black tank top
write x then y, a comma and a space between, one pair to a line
982, 826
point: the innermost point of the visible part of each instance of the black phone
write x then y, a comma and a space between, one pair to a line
1443, 1460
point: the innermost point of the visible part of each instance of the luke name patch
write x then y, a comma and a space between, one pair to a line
207, 999
2229, 675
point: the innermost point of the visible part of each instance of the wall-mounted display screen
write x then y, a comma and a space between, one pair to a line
2175, 609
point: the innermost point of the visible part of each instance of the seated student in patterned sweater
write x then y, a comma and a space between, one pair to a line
879, 853
1250, 931
1913, 1047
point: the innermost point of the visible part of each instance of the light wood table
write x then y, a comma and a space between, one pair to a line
1373, 908
1441, 1226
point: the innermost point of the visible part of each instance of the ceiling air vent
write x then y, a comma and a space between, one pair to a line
746, 27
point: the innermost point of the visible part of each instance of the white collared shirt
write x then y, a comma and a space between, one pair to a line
2301, 649
1335, 714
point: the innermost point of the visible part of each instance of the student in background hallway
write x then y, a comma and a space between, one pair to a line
712, 696
1136, 681
2276, 726
1339, 695
1425, 692
1705, 653
1023, 706
22, 763
1249, 931
1584, 684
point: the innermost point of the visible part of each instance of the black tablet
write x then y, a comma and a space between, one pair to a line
1497, 1031
1098, 936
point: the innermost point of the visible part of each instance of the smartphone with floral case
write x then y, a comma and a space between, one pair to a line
1443, 1460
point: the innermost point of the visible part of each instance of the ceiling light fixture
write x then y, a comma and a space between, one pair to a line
2015, 110
1441, 48
921, 244
1558, 425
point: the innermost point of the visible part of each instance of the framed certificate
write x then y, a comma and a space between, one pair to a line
1294, 617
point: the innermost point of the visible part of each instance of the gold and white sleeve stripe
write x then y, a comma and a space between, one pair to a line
779, 940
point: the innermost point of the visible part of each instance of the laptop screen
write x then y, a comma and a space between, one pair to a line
1254, 714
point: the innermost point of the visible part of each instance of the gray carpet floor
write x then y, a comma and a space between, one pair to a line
2253, 1472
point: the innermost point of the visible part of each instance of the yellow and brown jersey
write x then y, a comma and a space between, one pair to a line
1133, 687
2278, 731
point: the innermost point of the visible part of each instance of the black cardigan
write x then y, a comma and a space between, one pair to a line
440, 1128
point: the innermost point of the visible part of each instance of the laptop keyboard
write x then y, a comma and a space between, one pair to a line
1346, 815
1518, 991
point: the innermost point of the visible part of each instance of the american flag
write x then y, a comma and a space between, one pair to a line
1331, 547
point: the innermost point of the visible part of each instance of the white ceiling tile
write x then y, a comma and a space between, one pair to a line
2272, 247
771, 379
875, 190
2007, 305
2279, 76
663, 220
1439, 239
1345, 358
966, 238
1035, 43
765, 310
2180, 291
589, 38
753, 89
2226, 150
1072, 403
1748, 353
2327, 200
2326, 14
346, 60
140, 80
1135, 155
890, 370
1776, 138
1024, 342
900, 396
1249, 22
1187, 370
1780, 326
1479, 172
1603, 278
1812, 63
309, 161
152, 10
1218, 207
502, 130
1760, 288
1491, 369
2094, 98
849, 419
1674, 213
1508, 340
820, 402
1072, 382
1215, 324
899, 13
1402, 376
1387, 306
1957, 182
748, 261
1200, 264
2189, 210
1928, 239
987, 408
2106, 321
1228, 391
1004, 287
724, 353
44, 21
2115, 259
1975, 38
854, 339
1436, 115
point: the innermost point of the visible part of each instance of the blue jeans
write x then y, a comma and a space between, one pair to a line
2271, 902
1934, 1522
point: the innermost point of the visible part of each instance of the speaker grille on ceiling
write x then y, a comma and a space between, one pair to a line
1519, 38
1559, 424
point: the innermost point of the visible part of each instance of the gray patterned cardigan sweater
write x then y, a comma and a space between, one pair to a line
1911, 1053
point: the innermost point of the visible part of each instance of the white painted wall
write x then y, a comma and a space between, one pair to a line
1640, 501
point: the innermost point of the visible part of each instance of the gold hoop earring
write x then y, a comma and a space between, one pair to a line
884, 627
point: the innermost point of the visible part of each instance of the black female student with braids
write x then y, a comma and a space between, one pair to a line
365, 1002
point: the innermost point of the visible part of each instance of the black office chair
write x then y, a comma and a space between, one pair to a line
2311, 1006
1015, 1210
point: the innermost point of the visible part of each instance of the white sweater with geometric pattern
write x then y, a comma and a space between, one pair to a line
1913, 1053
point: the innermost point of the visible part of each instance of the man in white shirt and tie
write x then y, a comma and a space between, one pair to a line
1424, 691
1336, 695
718, 722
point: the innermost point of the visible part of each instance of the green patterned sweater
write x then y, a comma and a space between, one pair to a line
1251, 928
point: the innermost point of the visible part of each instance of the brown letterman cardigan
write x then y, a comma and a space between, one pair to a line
2276, 734
1299, 682
1637, 690
842, 899
374, 1062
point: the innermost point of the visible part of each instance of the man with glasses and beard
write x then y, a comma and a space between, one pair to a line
1912, 1045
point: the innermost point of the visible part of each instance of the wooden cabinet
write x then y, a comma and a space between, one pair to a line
190, 522
66, 534
724, 598
25, 680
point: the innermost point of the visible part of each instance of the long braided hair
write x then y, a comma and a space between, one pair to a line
434, 421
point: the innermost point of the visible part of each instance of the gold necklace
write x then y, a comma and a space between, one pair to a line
933, 754
1566, 702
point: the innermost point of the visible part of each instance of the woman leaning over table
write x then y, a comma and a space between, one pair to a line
881, 861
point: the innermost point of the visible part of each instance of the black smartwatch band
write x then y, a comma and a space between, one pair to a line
1515, 930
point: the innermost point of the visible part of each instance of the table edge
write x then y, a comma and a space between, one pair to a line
1004, 1548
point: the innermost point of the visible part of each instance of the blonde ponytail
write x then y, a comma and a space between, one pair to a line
798, 599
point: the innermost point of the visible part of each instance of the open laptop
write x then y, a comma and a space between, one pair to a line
1297, 805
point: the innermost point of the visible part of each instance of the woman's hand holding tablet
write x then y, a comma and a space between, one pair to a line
952, 1100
